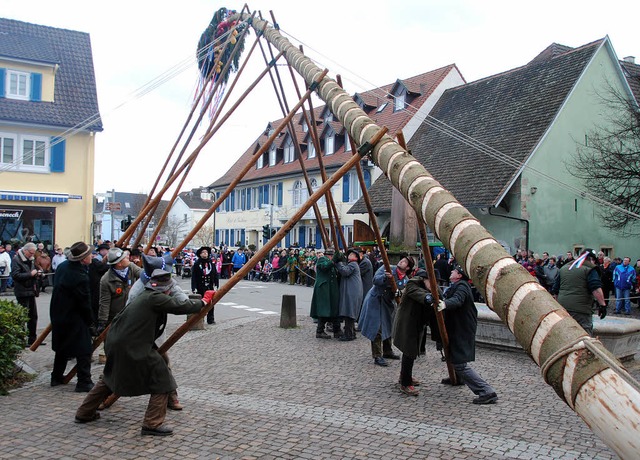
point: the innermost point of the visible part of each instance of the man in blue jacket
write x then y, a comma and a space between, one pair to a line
624, 278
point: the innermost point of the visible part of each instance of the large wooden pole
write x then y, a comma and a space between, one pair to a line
580, 369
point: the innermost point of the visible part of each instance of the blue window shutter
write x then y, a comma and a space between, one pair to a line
260, 198
367, 178
287, 240
57, 160
243, 198
242, 240
279, 193
301, 235
318, 237
36, 87
248, 198
3, 77
345, 188
232, 206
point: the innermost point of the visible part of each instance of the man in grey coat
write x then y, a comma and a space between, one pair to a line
350, 292
134, 366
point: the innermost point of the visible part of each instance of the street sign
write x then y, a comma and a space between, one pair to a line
113, 206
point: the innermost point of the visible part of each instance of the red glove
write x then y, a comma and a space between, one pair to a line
208, 295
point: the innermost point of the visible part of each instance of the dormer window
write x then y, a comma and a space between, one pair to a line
347, 143
260, 163
289, 152
328, 117
311, 149
305, 127
18, 85
399, 101
382, 107
272, 156
329, 144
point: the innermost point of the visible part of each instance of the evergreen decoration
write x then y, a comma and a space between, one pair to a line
209, 49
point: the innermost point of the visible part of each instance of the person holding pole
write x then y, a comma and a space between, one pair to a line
134, 365
461, 323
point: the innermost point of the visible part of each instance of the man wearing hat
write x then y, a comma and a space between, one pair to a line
204, 276
134, 366
577, 285
461, 322
24, 275
97, 268
326, 296
115, 285
350, 292
70, 312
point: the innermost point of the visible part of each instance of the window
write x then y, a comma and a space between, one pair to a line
314, 187
577, 249
289, 152
305, 127
311, 149
399, 102
18, 85
607, 250
329, 141
298, 193
24, 153
272, 156
347, 143
328, 117
260, 163
382, 107
351, 190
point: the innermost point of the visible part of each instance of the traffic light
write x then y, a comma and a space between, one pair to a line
266, 232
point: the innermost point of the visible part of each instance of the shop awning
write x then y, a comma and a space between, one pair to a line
41, 197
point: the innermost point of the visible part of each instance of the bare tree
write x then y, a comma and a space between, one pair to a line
204, 237
608, 163
173, 230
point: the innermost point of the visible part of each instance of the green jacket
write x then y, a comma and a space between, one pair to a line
326, 293
574, 294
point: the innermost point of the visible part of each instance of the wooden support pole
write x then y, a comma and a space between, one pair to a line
43, 335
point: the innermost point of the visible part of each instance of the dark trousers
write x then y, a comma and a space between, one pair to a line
322, 322
381, 347
83, 367
406, 370
30, 304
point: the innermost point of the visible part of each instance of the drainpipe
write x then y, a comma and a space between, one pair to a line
526, 223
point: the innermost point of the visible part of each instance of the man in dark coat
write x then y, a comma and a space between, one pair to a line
71, 317
97, 268
204, 277
25, 275
134, 366
414, 312
366, 275
326, 296
461, 322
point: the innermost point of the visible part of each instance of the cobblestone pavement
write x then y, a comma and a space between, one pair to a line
253, 390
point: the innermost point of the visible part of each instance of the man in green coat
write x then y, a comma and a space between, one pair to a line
326, 296
134, 366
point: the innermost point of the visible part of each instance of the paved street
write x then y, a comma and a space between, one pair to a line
253, 390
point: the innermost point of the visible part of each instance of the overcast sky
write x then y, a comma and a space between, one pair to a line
370, 43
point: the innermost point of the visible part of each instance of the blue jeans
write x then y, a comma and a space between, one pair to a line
622, 296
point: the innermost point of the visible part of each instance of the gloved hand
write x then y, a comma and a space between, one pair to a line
441, 305
428, 299
208, 295
602, 311
102, 325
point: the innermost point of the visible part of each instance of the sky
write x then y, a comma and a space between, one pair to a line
144, 44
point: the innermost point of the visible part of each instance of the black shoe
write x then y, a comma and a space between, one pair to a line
56, 381
210, 321
380, 361
322, 335
486, 399
158, 431
347, 338
84, 387
447, 381
95, 417
391, 355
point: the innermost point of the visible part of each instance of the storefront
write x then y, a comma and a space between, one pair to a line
20, 224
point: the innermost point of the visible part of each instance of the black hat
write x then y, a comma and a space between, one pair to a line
354, 251
459, 269
103, 246
590, 253
78, 251
203, 248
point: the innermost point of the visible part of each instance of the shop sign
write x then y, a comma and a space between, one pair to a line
10, 214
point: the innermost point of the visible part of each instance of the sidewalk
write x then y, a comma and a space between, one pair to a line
253, 390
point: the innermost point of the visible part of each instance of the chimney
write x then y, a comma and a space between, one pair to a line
630, 59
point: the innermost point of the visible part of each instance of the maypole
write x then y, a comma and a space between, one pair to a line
581, 371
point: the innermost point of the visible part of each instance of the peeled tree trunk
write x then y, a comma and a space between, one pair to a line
581, 371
